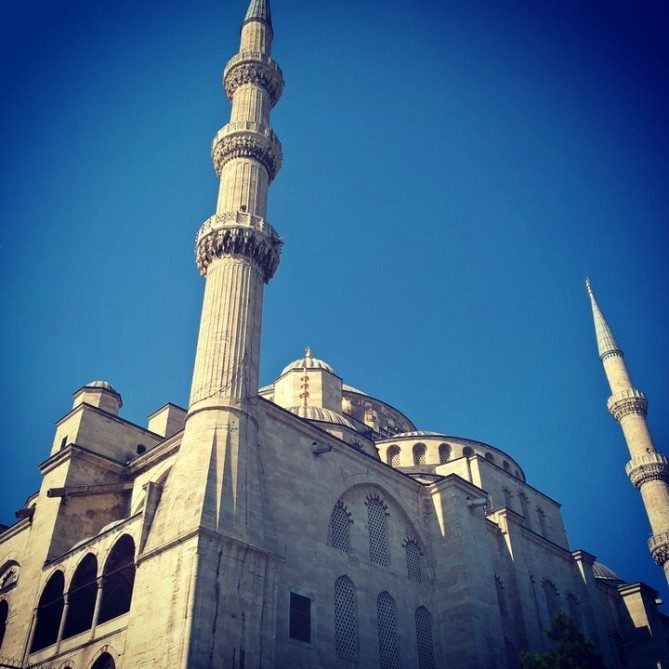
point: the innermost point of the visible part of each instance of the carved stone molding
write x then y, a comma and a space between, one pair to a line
251, 67
247, 140
628, 401
658, 545
649, 467
238, 234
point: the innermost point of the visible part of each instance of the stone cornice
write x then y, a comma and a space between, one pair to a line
72, 451
247, 140
626, 402
253, 67
13, 530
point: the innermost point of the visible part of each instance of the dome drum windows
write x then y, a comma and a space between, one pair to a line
419, 454
394, 456
444, 453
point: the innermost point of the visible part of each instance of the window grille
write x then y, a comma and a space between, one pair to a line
424, 639
574, 609
552, 597
525, 508
419, 454
444, 453
413, 560
394, 456
501, 595
378, 530
4, 614
346, 620
299, 626
543, 525
340, 528
389, 656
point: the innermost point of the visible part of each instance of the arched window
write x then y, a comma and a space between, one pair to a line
506, 465
419, 454
467, 451
508, 498
424, 638
444, 453
490, 457
378, 529
9, 574
105, 661
389, 652
501, 595
81, 597
525, 507
413, 560
49, 612
118, 579
573, 608
552, 597
394, 456
340, 528
4, 614
346, 619
543, 525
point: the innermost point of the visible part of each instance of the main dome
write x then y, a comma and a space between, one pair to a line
308, 362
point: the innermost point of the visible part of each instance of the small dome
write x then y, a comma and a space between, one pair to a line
320, 414
102, 384
309, 362
603, 572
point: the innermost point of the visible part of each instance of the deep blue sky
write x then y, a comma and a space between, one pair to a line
452, 172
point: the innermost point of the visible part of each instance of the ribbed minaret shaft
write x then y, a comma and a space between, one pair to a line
648, 470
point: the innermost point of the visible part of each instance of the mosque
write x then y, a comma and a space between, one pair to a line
304, 523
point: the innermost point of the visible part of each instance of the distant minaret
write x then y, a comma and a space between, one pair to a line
648, 470
211, 539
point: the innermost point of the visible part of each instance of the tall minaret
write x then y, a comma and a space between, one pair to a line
648, 470
210, 535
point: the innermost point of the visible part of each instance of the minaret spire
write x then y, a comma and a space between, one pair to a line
648, 470
259, 10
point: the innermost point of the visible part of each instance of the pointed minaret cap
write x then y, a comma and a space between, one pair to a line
606, 342
259, 10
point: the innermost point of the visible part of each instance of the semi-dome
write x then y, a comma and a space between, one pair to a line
309, 362
603, 572
321, 414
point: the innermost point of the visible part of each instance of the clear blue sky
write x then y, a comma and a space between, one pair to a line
452, 172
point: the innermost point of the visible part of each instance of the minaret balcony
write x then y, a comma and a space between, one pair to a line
247, 140
253, 67
658, 545
647, 467
626, 402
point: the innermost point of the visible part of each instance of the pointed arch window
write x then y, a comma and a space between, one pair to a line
340, 528
118, 579
419, 451
346, 619
424, 639
573, 608
467, 451
552, 597
105, 661
81, 597
49, 612
378, 529
501, 595
394, 456
525, 508
389, 653
4, 615
508, 498
444, 453
543, 523
413, 554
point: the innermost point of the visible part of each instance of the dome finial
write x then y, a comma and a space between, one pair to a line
307, 352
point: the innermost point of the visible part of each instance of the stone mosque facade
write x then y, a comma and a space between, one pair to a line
305, 523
